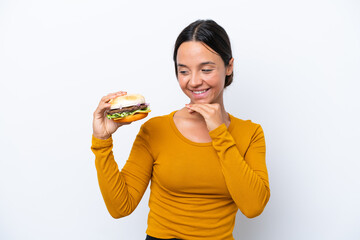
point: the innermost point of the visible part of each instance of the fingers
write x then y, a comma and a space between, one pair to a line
121, 124
104, 102
206, 110
110, 96
210, 112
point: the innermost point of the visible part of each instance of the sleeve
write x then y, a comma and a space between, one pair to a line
123, 190
246, 176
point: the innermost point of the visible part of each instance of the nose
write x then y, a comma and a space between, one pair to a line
195, 80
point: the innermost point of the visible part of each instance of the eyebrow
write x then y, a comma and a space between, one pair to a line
203, 63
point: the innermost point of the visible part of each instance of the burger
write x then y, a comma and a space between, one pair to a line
128, 108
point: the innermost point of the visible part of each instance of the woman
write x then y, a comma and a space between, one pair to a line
204, 164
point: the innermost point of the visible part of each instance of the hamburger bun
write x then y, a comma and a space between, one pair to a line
127, 101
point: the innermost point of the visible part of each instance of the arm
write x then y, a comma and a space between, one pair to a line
246, 176
123, 190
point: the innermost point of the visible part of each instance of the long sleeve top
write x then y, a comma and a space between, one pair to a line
196, 188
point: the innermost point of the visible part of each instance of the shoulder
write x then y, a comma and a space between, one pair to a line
246, 132
155, 130
156, 123
244, 126
243, 123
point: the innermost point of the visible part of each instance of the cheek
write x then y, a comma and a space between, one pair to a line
182, 81
209, 77
214, 78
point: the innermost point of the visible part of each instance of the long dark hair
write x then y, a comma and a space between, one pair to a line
213, 35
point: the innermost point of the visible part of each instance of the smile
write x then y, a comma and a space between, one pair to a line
200, 91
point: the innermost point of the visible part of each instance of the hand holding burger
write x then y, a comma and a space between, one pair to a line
112, 113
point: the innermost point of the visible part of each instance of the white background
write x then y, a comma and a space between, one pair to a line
296, 73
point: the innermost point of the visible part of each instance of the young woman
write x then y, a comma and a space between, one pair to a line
204, 164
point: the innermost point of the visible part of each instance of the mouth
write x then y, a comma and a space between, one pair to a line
198, 92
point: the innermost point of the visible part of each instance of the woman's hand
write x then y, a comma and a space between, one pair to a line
103, 127
211, 113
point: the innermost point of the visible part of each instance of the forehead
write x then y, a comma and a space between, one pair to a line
192, 52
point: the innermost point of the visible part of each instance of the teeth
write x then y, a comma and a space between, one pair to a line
199, 92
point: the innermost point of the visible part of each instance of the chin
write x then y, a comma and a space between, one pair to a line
200, 101
204, 99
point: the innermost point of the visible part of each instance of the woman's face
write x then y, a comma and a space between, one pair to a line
201, 72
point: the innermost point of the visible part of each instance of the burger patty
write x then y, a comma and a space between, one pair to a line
127, 109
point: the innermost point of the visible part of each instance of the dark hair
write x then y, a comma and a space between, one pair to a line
213, 35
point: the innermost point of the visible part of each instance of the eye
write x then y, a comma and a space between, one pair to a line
207, 70
183, 72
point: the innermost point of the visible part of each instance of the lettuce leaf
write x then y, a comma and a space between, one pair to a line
125, 114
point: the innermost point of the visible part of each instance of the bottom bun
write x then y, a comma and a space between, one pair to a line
131, 118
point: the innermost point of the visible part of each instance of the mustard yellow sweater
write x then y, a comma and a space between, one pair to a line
196, 188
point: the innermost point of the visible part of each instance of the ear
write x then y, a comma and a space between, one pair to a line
230, 67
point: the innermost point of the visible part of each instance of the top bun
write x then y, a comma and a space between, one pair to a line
127, 101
